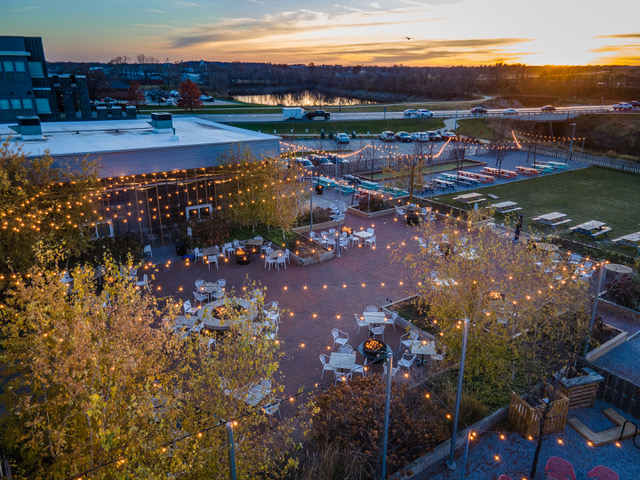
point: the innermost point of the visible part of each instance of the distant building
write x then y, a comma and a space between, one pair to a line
26, 88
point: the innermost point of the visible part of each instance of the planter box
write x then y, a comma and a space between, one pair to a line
607, 346
403, 323
525, 419
303, 261
380, 213
581, 391
316, 227
618, 310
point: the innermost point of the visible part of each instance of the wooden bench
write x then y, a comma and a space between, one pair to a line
604, 436
444, 183
602, 231
514, 209
561, 222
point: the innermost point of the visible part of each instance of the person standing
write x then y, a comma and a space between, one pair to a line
518, 228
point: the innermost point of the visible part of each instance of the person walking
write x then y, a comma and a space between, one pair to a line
518, 228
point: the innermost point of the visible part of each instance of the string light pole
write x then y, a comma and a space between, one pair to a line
601, 274
387, 406
232, 452
451, 463
572, 137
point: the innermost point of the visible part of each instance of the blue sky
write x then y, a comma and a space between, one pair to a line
408, 32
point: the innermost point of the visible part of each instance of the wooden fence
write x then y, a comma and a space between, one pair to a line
600, 161
616, 391
525, 419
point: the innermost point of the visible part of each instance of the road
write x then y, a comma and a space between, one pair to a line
561, 113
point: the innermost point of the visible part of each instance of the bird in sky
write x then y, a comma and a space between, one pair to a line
408, 38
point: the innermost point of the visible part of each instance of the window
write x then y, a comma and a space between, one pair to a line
1, 72
27, 104
35, 69
9, 74
16, 106
199, 210
100, 229
21, 72
43, 105
5, 109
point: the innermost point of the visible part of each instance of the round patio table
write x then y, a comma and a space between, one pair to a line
547, 247
618, 269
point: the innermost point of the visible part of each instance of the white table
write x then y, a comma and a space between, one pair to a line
183, 321
422, 348
373, 318
363, 235
344, 361
255, 394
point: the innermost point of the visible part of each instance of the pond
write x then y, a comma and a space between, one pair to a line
300, 99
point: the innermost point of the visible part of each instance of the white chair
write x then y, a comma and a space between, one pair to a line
329, 243
343, 377
212, 259
406, 361
144, 282
377, 330
324, 359
228, 249
371, 231
422, 243
392, 320
237, 244
360, 322
399, 212
408, 338
188, 309
221, 283
344, 243
200, 284
371, 308
362, 369
346, 348
272, 409
314, 236
281, 260
339, 337
332, 231
197, 254
354, 240
371, 241
270, 261
147, 250
133, 274
287, 254
200, 297
265, 248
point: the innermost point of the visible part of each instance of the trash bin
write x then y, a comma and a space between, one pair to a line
180, 247
319, 189
322, 134
353, 134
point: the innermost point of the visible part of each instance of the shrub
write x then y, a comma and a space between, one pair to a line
206, 231
624, 291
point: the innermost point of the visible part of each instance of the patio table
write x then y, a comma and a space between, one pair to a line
469, 198
552, 219
592, 228
344, 361
374, 318
506, 207
363, 235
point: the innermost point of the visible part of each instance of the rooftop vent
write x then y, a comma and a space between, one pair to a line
28, 128
161, 122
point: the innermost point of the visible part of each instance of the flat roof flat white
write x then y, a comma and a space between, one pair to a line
91, 137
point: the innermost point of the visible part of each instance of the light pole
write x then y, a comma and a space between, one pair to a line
601, 275
451, 463
232, 452
385, 431
572, 137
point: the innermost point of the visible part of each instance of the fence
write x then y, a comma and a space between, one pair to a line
616, 391
525, 419
600, 161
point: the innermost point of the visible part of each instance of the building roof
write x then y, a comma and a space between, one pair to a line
95, 137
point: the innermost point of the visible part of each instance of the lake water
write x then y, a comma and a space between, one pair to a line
300, 99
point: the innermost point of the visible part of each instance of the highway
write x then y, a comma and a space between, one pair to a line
561, 113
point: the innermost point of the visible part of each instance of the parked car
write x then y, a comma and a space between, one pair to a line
510, 111
479, 111
548, 108
304, 163
449, 135
318, 113
387, 136
172, 101
341, 137
411, 112
206, 98
635, 103
337, 159
434, 136
424, 113
622, 106
420, 137
404, 137
319, 161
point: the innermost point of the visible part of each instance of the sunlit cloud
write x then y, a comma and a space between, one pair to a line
620, 35
23, 9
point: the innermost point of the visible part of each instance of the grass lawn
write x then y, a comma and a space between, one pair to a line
591, 193
360, 127
441, 167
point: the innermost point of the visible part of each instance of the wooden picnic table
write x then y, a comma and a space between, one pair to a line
557, 165
592, 228
527, 170
552, 219
631, 240
444, 183
478, 176
506, 207
470, 198
500, 172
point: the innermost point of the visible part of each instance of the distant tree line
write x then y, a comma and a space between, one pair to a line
529, 85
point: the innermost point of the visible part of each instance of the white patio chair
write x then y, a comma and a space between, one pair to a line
133, 274
281, 260
354, 240
371, 308
329, 243
344, 243
237, 244
393, 370
228, 249
377, 330
197, 254
371, 231
200, 297
371, 241
212, 259
422, 242
144, 282
147, 250
199, 284
346, 348
314, 236
287, 255
188, 309
360, 322
270, 261
272, 408
392, 320
339, 337
343, 377
408, 338
399, 212
265, 248
332, 231
406, 361
324, 359
221, 283
362, 369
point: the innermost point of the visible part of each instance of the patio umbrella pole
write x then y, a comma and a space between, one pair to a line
451, 463
387, 404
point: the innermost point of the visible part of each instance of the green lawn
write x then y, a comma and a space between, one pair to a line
360, 127
441, 167
591, 193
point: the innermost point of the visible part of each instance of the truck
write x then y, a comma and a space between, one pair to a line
293, 113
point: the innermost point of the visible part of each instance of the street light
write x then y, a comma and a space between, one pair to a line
451, 463
572, 136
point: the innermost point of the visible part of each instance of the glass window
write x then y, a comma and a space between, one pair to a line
21, 72
35, 69
16, 105
43, 105
9, 73
27, 104
5, 110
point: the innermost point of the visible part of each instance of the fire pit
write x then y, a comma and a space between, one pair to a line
374, 350
243, 257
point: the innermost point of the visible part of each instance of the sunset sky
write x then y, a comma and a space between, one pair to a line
440, 32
